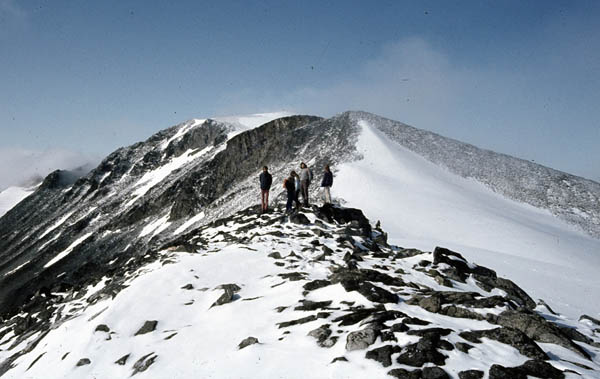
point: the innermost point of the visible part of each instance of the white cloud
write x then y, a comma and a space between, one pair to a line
22, 167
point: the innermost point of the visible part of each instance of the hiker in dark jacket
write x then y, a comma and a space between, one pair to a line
305, 177
290, 186
265, 185
326, 184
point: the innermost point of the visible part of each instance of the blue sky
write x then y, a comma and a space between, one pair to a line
80, 79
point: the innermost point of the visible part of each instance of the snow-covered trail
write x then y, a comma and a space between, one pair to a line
423, 205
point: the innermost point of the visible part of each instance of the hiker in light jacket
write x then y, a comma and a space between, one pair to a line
326, 184
265, 185
290, 186
304, 182
297, 193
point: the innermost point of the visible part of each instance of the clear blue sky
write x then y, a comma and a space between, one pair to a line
522, 78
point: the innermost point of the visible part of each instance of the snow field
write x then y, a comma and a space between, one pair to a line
422, 205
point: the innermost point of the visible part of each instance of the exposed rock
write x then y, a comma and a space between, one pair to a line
512, 337
149, 326
247, 342
308, 305
355, 316
361, 339
426, 373
471, 374
275, 255
339, 359
329, 213
443, 255
537, 328
121, 361
593, 320
513, 291
102, 328
422, 352
534, 368
293, 276
377, 294
143, 363
228, 295
302, 320
188, 286
322, 334
299, 218
464, 347
383, 354
83, 362
432, 303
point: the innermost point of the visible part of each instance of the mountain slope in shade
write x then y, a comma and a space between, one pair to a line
270, 296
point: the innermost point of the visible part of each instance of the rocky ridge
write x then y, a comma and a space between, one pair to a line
323, 280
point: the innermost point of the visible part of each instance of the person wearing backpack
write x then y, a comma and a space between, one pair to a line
326, 184
290, 186
305, 178
265, 180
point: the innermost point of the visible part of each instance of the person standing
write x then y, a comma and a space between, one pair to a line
297, 193
326, 184
305, 177
290, 186
265, 185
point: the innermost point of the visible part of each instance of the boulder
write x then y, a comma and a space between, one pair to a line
509, 336
471, 374
148, 327
299, 218
537, 328
424, 351
247, 342
361, 339
531, 368
383, 354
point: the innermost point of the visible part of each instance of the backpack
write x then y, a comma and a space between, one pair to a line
310, 175
290, 185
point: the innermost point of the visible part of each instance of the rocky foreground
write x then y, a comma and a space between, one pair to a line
271, 296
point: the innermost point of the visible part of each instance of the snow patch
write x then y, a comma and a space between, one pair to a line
68, 250
189, 223
57, 224
12, 196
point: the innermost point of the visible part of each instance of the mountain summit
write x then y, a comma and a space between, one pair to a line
113, 244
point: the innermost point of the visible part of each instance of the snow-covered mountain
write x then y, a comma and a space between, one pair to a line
77, 252
11, 196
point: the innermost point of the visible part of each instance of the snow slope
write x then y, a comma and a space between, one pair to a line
423, 205
251, 121
271, 261
12, 196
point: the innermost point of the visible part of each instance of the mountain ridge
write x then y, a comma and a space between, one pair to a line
188, 174
267, 294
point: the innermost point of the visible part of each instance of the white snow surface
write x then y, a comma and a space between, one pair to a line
422, 205
11, 196
242, 123
195, 339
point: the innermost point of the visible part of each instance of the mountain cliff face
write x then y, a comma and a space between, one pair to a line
77, 242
